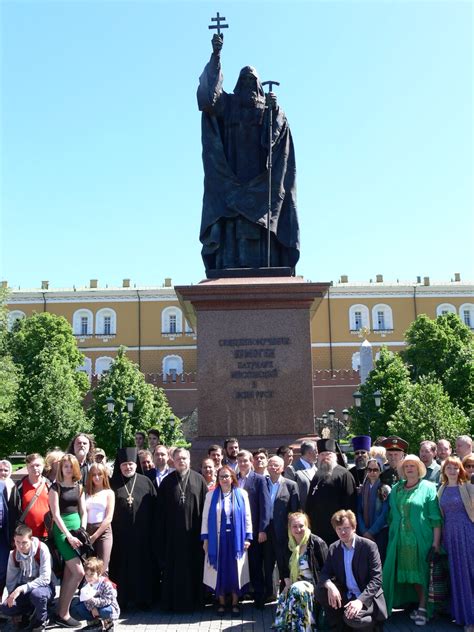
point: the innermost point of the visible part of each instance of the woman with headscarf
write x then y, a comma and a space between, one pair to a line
295, 608
226, 533
134, 530
372, 507
10, 510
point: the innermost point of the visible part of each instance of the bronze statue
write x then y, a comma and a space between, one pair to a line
236, 130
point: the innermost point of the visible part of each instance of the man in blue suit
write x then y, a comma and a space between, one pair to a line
260, 509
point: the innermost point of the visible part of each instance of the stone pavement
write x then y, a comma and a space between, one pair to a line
250, 620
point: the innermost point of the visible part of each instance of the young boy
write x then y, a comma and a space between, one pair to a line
28, 581
98, 598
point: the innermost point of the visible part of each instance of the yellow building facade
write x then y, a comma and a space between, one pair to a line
150, 323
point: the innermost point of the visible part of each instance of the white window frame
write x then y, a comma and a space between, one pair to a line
86, 367
77, 323
172, 367
100, 320
102, 364
356, 361
364, 312
165, 322
13, 317
446, 308
467, 307
388, 318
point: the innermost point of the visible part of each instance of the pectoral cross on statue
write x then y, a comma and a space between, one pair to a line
219, 24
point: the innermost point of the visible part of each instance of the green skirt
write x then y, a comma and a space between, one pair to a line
72, 521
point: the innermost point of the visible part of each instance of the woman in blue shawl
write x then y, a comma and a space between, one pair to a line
226, 533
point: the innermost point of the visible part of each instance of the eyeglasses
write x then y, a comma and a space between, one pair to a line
224, 476
373, 469
360, 453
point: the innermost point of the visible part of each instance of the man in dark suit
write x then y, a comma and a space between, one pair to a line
350, 584
260, 510
284, 500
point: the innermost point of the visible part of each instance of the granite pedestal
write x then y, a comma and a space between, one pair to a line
254, 356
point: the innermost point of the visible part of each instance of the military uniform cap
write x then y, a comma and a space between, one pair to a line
395, 443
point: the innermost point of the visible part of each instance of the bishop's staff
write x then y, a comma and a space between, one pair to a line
271, 102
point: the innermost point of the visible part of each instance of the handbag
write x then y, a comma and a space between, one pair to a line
21, 519
439, 585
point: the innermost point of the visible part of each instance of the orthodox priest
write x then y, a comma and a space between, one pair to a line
332, 488
235, 142
133, 527
180, 503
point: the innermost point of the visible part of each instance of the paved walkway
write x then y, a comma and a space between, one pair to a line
250, 620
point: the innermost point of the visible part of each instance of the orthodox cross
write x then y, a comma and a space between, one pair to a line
219, 24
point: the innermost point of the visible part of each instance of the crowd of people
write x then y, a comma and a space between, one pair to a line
335, 546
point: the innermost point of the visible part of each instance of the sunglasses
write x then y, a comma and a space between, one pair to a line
468, 465
373, 469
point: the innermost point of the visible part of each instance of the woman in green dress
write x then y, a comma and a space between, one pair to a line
68, 508
414, 531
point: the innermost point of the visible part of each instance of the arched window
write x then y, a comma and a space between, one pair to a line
102, 365
358, 317
86, 367
172, 367
172, 321
382, 318
445, 308
83, 323
14, 317
466, 314
106, 322
356, 361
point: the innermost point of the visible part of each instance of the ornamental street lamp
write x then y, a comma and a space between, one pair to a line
377, 395
128, 409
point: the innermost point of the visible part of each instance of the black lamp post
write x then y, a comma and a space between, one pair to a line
377, 395
129, 405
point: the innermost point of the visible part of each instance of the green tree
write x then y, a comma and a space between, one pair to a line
426, 412
9, 384
443, 349
50, 394
151, 408
391, 377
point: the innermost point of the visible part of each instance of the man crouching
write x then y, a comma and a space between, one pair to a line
28, 581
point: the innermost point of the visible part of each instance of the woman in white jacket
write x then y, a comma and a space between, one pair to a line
226, 533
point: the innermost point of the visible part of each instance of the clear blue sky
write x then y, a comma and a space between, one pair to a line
101, 173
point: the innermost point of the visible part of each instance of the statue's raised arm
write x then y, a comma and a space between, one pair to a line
211, 80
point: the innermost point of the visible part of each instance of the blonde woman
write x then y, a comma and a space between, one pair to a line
414, 530
68, 508
100, 505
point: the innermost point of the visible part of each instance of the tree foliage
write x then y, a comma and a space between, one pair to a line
426, 412
151, 408
443, 349
391, 377
9, 384
51, 390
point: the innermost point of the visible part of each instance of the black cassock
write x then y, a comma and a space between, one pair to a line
133, 527
181, 551
327, 495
